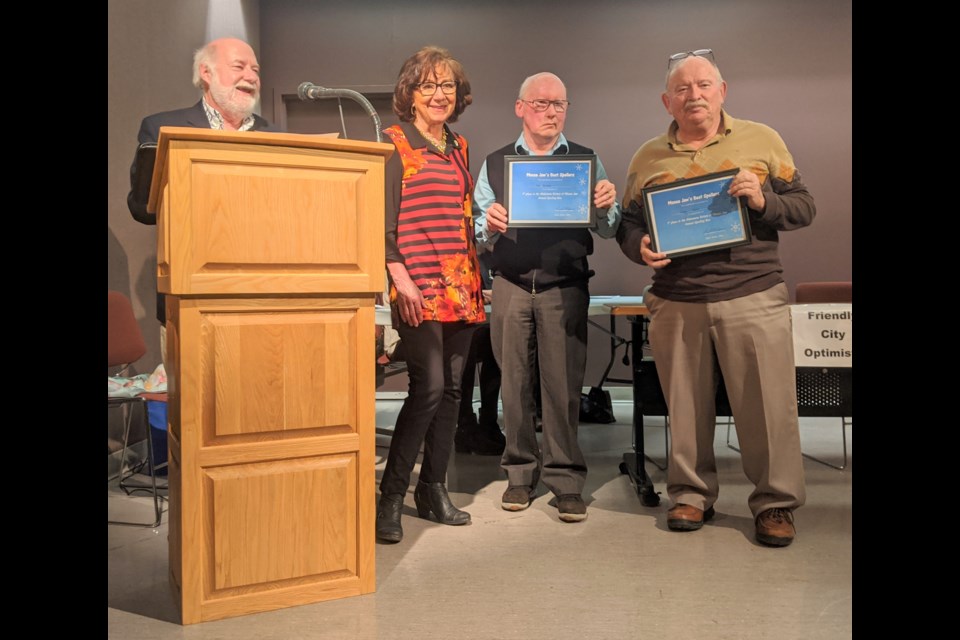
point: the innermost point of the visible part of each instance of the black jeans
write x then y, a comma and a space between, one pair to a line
481, 352
436, 353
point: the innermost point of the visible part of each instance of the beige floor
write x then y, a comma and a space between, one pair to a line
619, 574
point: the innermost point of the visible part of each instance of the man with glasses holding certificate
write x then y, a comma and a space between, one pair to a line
540, 296
726, 307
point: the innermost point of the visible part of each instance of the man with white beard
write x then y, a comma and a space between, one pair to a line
227, 72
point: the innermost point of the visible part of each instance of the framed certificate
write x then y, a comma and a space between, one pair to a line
550, 191
696, 215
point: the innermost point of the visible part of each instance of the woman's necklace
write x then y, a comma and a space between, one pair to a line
439, 144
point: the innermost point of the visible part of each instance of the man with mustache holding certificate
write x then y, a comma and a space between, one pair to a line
726, 308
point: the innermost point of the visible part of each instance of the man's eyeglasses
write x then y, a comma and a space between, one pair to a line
702, 53
430, 88
541, 105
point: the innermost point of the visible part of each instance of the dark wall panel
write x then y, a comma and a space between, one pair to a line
787, 64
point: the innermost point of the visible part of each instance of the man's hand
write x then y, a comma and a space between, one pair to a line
496, 218
655, 260
747, 184
604, 194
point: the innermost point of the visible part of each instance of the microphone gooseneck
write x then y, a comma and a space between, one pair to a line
310, 91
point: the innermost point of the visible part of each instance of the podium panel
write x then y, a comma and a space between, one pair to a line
272, 458
268, 370
238, 216
270, 250
292, 531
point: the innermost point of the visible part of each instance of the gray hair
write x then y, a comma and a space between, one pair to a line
537, 76
672, 68
203, 56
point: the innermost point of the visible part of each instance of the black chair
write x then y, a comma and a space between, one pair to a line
824, 292
824, 392
654, 404
821, 391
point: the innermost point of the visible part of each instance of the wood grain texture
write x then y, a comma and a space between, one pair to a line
269, 367
246, 218
271, 248
278, 521
275, 478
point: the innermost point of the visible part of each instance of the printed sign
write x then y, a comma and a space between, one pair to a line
823, 335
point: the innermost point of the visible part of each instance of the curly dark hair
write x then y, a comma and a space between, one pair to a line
421, 67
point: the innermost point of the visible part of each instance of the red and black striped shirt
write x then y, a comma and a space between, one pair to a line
429, 224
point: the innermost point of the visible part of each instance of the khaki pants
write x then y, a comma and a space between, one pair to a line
750, 339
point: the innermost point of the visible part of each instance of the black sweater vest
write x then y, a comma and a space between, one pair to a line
538, 259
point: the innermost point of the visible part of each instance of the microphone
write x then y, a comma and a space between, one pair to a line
310, 91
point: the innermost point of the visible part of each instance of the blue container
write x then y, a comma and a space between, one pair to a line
157, 417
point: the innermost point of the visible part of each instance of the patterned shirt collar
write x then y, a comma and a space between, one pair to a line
216, 120
725, 128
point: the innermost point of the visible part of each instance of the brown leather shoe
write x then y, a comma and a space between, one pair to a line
775, 527
683, 517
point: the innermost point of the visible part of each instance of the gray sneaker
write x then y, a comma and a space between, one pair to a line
571, 507
517, 498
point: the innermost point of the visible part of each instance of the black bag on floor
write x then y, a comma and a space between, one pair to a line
595, 406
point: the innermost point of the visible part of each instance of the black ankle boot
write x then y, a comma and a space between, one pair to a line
478, 442
432, 497
462, 440
388, 518
492, 434
463, 436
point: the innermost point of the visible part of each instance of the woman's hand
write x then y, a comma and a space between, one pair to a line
409, 299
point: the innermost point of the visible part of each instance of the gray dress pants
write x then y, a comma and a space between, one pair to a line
546, 331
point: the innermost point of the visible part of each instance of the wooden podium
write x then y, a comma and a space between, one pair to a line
270, 250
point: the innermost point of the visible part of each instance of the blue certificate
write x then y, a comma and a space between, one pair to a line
696, 215
550, 191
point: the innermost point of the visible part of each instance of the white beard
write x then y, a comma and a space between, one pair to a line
235, 103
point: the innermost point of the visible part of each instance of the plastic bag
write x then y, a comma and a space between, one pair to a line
596, 406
